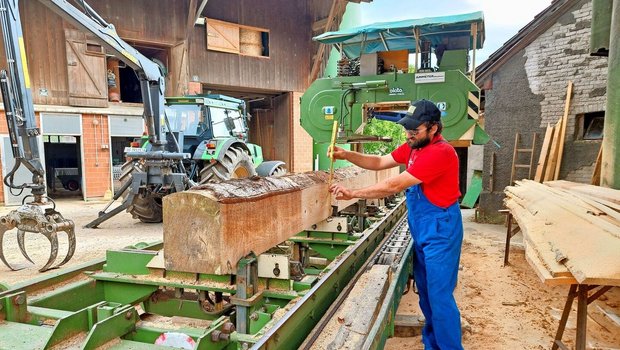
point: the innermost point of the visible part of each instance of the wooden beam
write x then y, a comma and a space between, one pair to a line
596, 174
191, 19
553, 153
544, 154
320, 25
558, 164
209, 228
337, 10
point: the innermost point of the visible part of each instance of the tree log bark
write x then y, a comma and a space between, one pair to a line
210, 227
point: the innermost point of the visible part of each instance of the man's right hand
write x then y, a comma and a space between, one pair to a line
339, 153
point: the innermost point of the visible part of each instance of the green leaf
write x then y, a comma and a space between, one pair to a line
383, 128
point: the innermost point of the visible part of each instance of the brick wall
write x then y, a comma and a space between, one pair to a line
302, 142
529, 91
95, 155
4, 131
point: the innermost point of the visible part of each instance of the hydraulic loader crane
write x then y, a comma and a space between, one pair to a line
150, 175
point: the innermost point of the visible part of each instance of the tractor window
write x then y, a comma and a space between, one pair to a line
227, 122
184, 118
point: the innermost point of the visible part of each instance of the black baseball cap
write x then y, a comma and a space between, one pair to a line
419, 112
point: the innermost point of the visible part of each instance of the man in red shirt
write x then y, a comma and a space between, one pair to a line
431, 185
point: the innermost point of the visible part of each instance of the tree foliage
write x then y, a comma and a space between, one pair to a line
383, 128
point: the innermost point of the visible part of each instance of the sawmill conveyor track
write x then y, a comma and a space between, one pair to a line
128, 301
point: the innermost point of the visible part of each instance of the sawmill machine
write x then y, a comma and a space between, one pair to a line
374, 79
290, 296
38, 212
224, 283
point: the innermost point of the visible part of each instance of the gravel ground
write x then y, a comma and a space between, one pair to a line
118, 232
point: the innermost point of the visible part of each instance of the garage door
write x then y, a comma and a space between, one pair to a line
126, 126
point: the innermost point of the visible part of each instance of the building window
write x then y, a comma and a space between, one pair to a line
590, 126
235, 38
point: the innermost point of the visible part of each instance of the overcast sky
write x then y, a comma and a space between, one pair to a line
502, 19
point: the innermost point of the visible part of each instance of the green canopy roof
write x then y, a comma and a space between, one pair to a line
391, 36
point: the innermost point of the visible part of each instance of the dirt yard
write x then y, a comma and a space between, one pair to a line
118, 232
501, 307
509, 307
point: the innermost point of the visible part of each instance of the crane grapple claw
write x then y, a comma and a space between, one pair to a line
21, 234
36, 218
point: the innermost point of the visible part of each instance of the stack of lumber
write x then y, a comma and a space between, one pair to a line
552, 150
571, 230
210, 227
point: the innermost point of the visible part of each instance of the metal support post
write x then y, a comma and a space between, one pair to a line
361, 214
247, 278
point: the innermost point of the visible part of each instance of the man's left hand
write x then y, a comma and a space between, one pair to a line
341, 192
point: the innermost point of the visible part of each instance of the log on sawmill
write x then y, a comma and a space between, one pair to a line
208, 228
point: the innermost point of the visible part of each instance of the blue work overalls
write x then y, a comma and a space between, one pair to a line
437, 235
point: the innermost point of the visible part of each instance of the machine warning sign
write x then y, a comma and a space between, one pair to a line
431, 77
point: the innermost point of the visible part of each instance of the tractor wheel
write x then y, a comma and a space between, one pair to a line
235, 164
279, 171
145, 206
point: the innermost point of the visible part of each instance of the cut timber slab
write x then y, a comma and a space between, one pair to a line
209, 228
572, 232
349, 327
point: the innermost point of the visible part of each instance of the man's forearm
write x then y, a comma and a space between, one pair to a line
380, 190
366, 161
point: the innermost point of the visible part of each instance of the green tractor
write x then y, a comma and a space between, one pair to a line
214, 130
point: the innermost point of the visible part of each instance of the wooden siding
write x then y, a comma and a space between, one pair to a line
289, 24
44, 37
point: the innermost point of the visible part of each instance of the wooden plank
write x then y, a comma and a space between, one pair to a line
580, 238
594, 192
536, 246
515, 153
596, 175
544, 154
355, 316
209, 228
558, 164
553, 155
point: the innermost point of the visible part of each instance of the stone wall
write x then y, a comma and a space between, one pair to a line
529, 91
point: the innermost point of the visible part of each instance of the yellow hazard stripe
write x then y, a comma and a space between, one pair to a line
22, 51
473, 105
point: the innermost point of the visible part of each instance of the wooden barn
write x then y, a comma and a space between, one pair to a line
88, 103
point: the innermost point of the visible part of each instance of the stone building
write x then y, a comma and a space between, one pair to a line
524, 86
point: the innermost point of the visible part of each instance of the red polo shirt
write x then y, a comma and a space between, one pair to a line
437, 166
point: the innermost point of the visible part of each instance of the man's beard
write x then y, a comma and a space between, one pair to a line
417, 144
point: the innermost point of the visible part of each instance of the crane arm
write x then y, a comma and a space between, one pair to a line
17, 99
151, 78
